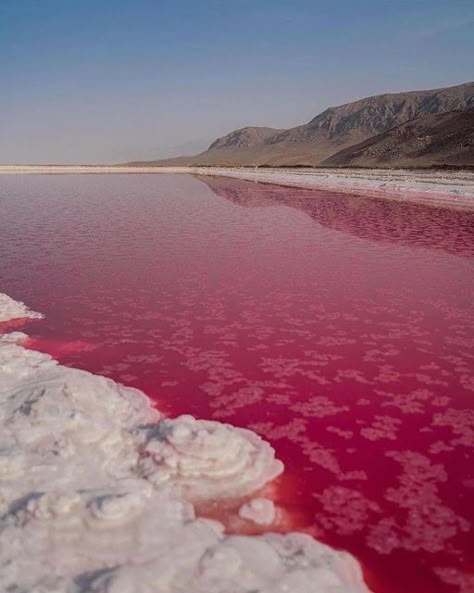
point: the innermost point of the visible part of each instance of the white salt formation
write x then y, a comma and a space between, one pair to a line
259, 510
209, 460
96, 495
14, 337
11, 309
453, 189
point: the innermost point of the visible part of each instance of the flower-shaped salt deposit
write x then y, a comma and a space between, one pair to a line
208, 459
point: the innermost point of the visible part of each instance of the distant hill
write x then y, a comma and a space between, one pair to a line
330, 132
434, 139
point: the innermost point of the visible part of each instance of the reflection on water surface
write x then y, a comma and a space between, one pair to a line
338, 327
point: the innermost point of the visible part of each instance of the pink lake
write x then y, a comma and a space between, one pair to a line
340, 328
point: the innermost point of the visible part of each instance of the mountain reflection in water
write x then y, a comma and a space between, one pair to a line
339, 328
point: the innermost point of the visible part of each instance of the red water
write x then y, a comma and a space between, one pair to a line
339, 328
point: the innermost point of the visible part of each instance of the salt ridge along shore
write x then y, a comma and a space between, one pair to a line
432, 188
11, 309
453, 189
97, 493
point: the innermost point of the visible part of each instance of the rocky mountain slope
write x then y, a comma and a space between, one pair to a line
330, 132
434, 139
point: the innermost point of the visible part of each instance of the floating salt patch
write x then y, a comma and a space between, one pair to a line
81, 512
259, 510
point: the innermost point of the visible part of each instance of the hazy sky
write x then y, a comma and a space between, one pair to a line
114, 80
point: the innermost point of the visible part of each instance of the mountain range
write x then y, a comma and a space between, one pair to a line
416, 128
427, 140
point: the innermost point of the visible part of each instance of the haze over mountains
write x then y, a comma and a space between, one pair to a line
325, 140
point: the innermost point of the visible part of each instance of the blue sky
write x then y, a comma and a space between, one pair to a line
112, 80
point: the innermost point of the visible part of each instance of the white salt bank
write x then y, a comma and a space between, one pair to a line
11, 309
97, 491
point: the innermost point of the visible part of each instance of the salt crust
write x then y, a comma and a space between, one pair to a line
97, 491
14, 337
453, 189
11, 309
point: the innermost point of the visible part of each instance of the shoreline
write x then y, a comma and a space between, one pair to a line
437, 188
99, 485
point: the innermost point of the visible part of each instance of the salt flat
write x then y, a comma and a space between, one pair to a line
452, 189
436, 188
